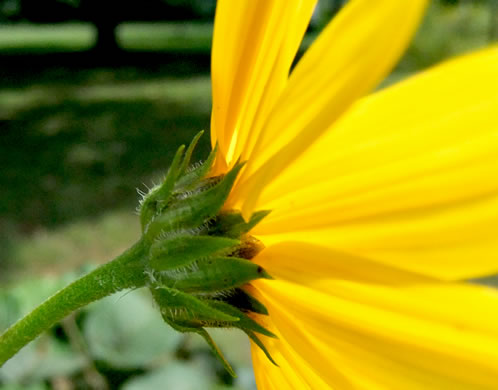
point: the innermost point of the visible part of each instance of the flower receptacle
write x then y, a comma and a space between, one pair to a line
199, 255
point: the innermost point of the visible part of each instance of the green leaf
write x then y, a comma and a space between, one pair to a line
46, 357
188, 153
192, 177
245, 323
234, 344
36, 386
182, 250
192, 211
187, 310
164, 191
231, 223
217, 352
9, 310
159, 196
190, 323
126, 331
174, 376
23, 297
214, 274
258, 342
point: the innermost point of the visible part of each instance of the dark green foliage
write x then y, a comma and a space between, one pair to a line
245, 302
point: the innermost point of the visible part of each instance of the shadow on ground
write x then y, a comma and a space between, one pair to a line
79, 133
23, 68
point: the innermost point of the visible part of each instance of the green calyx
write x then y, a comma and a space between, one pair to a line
199, 256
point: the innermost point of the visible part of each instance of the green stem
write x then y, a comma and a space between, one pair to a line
125, 271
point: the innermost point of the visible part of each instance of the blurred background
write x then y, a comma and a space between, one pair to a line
95, 97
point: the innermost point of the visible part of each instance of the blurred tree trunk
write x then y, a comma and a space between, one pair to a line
106, 39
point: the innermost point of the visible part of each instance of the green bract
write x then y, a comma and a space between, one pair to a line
199, 256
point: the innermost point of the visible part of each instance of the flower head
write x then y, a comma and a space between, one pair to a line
381, 204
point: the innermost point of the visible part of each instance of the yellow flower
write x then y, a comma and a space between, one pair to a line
380, 204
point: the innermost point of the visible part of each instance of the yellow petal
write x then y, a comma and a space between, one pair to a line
294, 371
291, 372
407, 178
308, 264
356, 50
254, 44
441, 336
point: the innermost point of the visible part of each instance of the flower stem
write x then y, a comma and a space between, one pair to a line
125, 271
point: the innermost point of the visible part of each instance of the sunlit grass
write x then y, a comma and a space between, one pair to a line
178, 36
162, 36
58, 250
86, 147
185, 91
66, 37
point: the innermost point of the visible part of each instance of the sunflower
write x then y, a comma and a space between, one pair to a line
339, 231
382, 205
